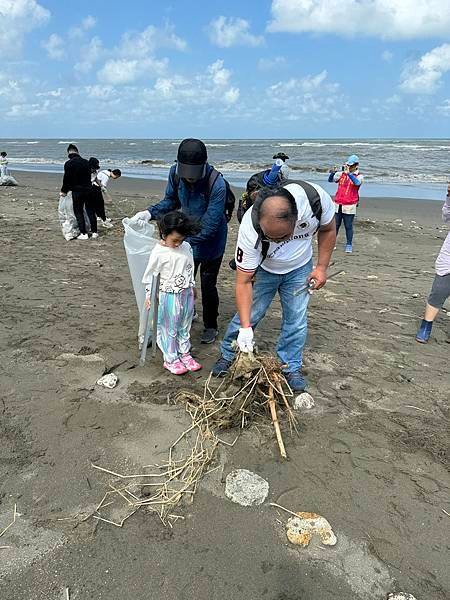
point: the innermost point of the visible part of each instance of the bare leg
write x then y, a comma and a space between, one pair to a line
430, 313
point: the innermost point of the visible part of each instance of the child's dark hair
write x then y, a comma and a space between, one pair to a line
177, 221
72, 148
116, 172
3, 154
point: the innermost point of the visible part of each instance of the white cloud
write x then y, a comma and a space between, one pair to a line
312, 96
267, 64
424, 76
387, 56
394, 19
89, 55
134, 44
232, 31
89, 22
86, 24
125, 71
17, 18
55, 47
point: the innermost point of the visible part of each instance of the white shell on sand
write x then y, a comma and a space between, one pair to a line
304, 400
400, 596
246, 488
301, 529
109, 381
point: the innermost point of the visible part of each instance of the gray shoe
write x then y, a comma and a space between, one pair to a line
209, 336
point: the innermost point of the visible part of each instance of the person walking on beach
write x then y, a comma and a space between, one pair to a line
440, 289
349, 181
200, 192
172, 259
77, 179
3, 164
275, 244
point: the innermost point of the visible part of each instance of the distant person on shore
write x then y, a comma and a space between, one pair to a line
3, 165
349, 181
100, 180
275, 243
172, 259
440, 289
285, 170
190, 187
77, 179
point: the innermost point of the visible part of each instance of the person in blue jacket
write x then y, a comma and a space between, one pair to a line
187, 189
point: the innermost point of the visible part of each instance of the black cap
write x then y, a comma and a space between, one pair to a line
191, 159
281, 155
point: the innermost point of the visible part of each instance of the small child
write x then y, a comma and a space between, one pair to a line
3, 165
172, 259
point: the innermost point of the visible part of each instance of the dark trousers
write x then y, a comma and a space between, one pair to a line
99, 202
348, 224
83, 200
209, 270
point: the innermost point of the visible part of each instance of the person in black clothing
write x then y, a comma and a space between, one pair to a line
77, 179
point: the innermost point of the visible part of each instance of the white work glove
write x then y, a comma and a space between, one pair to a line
143, 215
245, 339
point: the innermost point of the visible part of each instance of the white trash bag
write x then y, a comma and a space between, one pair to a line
139, 242
8, 180
67, 218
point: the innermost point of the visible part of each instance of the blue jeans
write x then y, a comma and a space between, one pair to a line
348, 224
294, 321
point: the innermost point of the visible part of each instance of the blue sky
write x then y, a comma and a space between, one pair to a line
261, 68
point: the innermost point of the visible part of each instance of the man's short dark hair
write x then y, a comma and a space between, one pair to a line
289, 213
71, 148
116, 172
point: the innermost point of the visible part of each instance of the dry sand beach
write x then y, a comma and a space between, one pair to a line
372, 455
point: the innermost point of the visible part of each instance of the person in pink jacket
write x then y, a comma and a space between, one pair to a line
440, 289
349, 181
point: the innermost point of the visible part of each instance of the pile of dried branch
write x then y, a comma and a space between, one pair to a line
254, 387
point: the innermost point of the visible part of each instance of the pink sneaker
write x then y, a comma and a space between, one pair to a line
176, 367
190, 363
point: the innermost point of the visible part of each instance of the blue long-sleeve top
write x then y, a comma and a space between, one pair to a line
210, 243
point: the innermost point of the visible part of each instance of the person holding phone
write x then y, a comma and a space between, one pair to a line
349, 181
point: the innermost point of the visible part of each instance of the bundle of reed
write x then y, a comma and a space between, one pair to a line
253, 389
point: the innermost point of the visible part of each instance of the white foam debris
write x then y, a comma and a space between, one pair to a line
246, 488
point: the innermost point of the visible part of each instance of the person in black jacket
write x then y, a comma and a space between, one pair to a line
77, 179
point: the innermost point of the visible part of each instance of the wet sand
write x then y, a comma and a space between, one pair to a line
372, 456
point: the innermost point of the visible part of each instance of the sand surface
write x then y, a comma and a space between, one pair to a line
372, 456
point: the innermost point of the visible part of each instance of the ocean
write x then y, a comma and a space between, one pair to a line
405, 168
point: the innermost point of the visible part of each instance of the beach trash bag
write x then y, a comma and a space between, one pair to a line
66, 216
138, 242
8, 180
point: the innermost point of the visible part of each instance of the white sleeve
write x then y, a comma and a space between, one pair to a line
248, 258
337, 176
153, 265
328, 207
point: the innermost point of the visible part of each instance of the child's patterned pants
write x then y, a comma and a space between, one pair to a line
174, 323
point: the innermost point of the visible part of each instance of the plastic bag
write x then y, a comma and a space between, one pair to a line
67, 218
8, 180
138, 242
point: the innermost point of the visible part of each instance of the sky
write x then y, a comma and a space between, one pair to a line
210, 69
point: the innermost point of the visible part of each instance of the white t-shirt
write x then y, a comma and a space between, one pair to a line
102, 178
290, 254
174, 265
